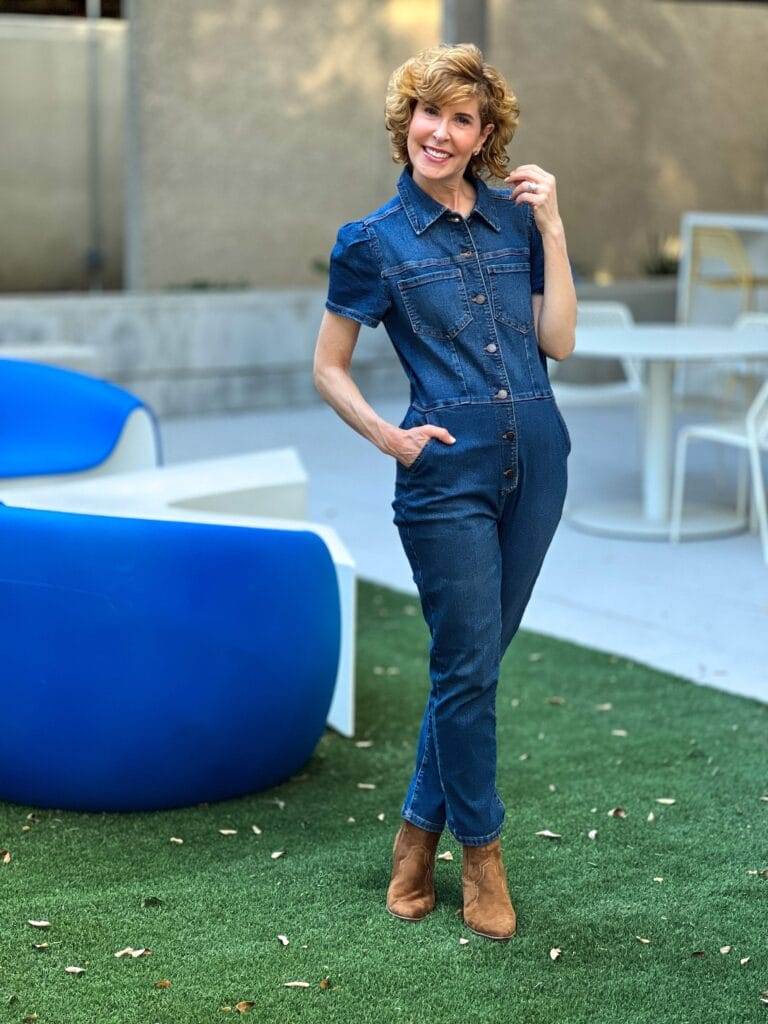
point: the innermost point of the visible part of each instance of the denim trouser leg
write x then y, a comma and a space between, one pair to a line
460, 597
476, 550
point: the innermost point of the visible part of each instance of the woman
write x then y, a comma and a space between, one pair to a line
456, 271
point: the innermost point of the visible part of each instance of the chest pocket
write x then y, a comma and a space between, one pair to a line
511, 294
436, 303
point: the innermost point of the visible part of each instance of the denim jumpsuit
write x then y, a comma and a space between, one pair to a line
475, 517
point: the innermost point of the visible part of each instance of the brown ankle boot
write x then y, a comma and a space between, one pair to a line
411, 893
487, 907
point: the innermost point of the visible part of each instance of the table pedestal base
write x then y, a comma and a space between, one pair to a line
625, 518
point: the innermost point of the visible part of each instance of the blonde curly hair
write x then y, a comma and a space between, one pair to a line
448, 74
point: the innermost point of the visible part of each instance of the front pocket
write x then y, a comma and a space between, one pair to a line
511, 295
437, 304
417, 460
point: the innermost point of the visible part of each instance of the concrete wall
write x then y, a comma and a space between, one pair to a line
44, 207
188, 354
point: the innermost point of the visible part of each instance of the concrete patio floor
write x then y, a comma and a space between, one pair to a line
698, 609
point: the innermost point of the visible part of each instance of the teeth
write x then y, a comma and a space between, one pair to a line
436, 153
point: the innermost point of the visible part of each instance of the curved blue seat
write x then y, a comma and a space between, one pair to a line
54, 420
153, 664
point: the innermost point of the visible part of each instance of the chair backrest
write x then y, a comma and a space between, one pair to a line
55, 420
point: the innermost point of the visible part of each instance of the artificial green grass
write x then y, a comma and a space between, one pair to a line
211, 909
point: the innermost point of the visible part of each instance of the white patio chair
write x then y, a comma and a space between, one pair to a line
750, 434
600, 314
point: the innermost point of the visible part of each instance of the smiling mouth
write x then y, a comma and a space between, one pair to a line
436, 154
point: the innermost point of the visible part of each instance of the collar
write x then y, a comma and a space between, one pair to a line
423, 210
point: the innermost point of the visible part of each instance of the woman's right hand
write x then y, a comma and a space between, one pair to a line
407, 444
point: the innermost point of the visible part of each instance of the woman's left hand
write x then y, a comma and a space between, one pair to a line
543, 197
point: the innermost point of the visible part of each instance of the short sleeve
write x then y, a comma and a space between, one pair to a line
356, 288
537, 255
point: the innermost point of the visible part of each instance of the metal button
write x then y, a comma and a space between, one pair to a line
478, 298
454, 218
508, 435
490, 348
509, 472
467, 252
501, 393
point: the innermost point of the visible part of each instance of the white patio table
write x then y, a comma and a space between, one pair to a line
660, 345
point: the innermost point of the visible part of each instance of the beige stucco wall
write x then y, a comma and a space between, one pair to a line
258, 126
44, 207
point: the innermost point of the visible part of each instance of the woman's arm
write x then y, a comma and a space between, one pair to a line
336, 342
555, 311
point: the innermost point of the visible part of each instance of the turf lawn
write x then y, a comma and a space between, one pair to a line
652, 916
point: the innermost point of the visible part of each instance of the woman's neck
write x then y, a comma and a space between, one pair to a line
458, 194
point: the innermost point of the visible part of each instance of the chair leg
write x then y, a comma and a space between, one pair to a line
677, 486
758, 487
742, 483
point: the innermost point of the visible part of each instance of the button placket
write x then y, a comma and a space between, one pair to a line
503, 387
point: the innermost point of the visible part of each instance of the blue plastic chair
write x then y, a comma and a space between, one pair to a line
54, 420
152, 664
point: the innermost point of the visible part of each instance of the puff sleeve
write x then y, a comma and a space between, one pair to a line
356, 288
537, 254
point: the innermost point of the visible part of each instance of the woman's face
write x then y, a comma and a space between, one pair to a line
452, 130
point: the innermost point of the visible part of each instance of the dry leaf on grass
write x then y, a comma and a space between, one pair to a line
592, 833
296, 984
228, 831
39, 945
163, 983
74, 970
276, 853
176, 839
245, 1005
130, 951
445, 856
381, 816
641, 939
554, 953
556, 700
617, 812
366, 785
618, 732
665, 799
40, 924
726, 949
463, 941
256, 829
5, 856
283, 939
364, 743
547, 834
604, 707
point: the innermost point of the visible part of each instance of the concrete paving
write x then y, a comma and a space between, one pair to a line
698, 609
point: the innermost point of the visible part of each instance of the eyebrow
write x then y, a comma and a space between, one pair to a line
465, 113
